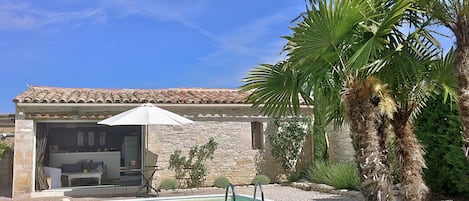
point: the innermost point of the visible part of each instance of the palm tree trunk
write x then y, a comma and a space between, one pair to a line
366, 124
461, 72
409, 156
319, 128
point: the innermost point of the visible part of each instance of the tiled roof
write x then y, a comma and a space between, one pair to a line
170, 96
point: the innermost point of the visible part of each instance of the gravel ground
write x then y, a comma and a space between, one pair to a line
272, 192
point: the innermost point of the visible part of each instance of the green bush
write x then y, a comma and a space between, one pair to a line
167, 184
438, 128
4, 147
261, 179
339, 175
221, 182
295, 176
288, 142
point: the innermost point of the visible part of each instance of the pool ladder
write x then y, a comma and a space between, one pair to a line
260, 188
230, 185
232, 191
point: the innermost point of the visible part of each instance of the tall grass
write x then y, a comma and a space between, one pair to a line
339, 175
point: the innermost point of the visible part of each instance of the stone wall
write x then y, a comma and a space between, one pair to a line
229, 126
23, 157
340, 144
234, 158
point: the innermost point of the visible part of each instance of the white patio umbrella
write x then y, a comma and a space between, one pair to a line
146, 114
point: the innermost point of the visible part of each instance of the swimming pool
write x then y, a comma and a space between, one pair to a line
217, 197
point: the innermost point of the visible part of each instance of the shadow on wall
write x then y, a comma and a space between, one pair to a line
268, 165
265, 163
6, 173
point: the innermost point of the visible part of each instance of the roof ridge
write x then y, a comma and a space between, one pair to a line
101, 88
47, 94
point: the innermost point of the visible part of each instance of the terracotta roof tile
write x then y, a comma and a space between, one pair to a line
88, 95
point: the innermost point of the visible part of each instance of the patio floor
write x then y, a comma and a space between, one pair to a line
273, 192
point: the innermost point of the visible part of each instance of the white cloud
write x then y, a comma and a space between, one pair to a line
249, 40
22, 16
244, 40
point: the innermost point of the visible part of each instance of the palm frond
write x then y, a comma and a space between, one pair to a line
325, 28
277, 89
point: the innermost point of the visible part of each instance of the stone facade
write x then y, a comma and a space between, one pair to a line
231, 129
229, 126
23, 157
340, 144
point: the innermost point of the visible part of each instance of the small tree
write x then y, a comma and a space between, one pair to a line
438, 127
193, 166
4, 147
287, 143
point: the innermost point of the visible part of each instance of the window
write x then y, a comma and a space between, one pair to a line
257, 134
102, 138
91, 138
80, 136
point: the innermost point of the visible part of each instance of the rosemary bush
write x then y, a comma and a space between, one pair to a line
221, 182
168, 184
261, 179
339, 175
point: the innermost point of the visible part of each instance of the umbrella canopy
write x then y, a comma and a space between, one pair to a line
146, 114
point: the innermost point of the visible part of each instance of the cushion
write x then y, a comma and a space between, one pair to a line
95, 165
74, 167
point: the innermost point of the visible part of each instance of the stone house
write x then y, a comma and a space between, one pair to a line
65, 120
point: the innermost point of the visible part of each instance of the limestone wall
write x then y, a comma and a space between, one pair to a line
229, 126
340, 144
23, 157
234, 157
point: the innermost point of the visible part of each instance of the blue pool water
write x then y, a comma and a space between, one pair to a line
219, 197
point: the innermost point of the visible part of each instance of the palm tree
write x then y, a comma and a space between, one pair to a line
340, 47
454, 14
428, 77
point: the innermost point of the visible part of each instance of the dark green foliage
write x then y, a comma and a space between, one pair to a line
288, 142
168, 184
439, 130
261, 179
319, 129
339, 175
193, 166
221, 182
3, 148
295, 176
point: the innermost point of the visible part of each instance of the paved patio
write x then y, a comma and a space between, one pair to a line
272, 192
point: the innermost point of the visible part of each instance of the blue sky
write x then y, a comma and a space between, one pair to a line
137, 44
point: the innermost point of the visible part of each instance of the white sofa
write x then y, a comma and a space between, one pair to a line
54, 174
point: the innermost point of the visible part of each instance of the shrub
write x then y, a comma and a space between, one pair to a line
169, 184
4, 147
338, 175
221, 182
438, 128
295, 176
288, 142
193, 166
261, 179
